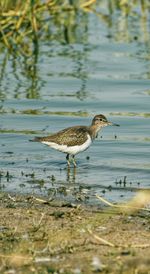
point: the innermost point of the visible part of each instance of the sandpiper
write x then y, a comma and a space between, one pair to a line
73, 140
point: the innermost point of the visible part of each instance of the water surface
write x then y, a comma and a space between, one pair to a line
104, 68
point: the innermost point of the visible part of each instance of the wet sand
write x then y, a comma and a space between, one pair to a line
60, 237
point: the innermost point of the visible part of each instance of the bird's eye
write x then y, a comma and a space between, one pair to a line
101, 119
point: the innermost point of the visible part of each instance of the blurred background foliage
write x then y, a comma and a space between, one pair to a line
27, 26
24, 23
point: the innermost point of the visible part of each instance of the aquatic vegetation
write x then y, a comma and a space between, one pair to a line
140, 114
24, 23
28, 27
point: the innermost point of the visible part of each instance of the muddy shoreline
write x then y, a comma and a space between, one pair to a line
58, 237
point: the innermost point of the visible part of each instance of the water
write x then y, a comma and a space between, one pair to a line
101, 69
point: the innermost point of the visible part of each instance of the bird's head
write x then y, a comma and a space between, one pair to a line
101, 121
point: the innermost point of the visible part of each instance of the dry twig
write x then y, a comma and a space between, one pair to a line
105, 242
121, 206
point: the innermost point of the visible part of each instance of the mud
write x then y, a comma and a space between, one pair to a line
38, 236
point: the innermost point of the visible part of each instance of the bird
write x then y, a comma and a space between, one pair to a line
73, 140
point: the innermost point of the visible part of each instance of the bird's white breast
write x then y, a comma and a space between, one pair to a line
70, 149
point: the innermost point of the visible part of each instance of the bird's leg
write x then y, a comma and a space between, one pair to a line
68, 162
73, 160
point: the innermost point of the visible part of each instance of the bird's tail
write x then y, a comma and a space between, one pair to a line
36, 139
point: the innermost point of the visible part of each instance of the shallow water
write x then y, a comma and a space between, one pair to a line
68, 83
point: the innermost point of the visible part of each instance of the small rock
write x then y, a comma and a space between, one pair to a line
97, 264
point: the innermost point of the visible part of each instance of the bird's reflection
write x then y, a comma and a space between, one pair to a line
71, 174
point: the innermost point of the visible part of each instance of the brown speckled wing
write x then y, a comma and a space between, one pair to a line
70, 136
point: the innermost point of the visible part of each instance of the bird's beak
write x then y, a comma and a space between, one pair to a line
113, 124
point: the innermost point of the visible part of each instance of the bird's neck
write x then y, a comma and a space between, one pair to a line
93, 130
